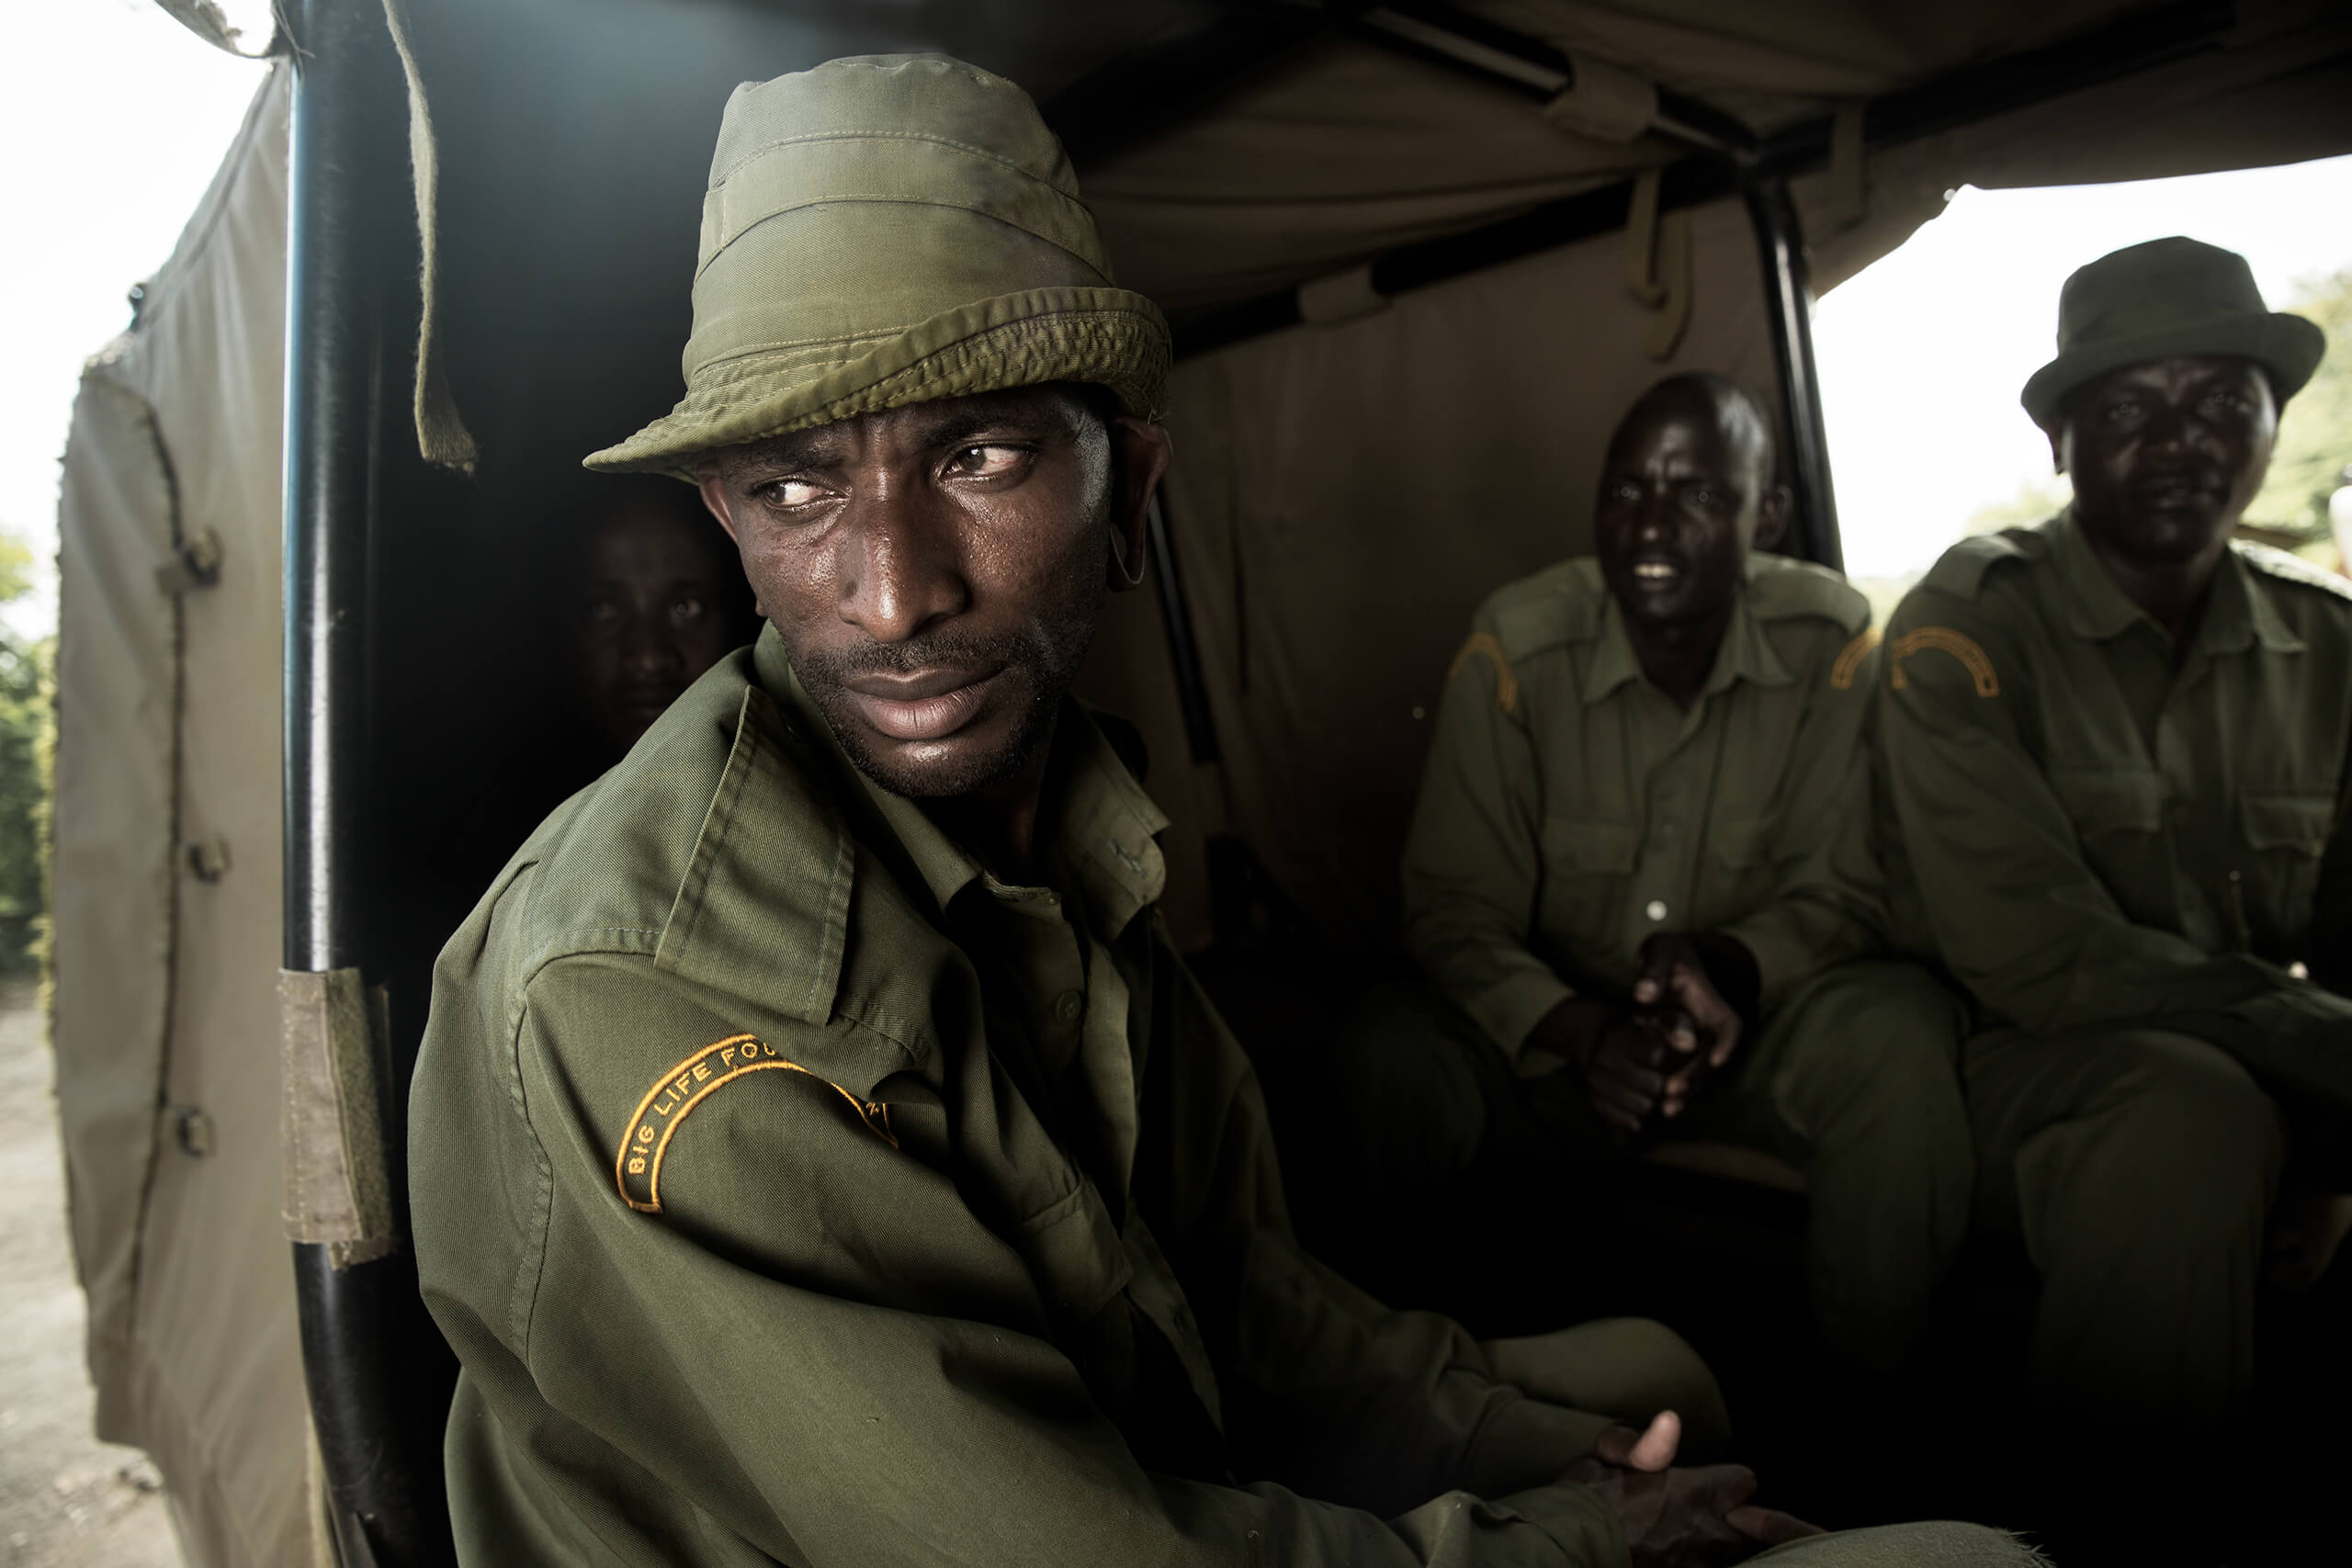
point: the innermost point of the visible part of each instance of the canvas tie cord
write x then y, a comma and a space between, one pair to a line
338, 1184
441, 434
1657, 265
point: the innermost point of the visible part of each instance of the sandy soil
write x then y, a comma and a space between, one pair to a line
66, 1500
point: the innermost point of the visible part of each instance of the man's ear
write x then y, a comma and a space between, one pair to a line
1140, 451
714, 496
1772, 517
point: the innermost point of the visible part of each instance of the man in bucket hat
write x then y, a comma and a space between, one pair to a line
2116, 744
819, 1153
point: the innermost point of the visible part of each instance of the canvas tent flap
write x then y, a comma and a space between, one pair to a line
167, 845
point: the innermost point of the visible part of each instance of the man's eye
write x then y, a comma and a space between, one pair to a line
688, 607
788, 493
1702, 496
2225, 401
599, 611
1623, 491
2121, 412
987, 462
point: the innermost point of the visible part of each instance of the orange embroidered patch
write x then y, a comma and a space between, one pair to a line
1486, 645
1849, 660
637, 1168
1960, 645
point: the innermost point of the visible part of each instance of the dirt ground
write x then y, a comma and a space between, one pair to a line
66, 1500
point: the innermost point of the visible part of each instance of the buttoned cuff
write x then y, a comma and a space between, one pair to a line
1780, 960
1527, 1442
1510, 1010
1585, 1531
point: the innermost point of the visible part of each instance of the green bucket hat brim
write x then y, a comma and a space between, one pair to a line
1110, 337
2286, 346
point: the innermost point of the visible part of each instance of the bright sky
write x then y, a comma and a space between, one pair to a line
114, 118
1923, 355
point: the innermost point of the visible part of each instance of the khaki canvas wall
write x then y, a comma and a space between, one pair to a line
167, 854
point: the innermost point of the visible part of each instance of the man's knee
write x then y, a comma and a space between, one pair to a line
1934, 1544
1626, 1367
1876, 1045
2183, 1116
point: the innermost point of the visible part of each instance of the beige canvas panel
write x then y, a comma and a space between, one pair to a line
1345, 495
1353, 150
207, 1377
113, 848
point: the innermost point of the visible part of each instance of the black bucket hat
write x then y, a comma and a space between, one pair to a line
2174, 298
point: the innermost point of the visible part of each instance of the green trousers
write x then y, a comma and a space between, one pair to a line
1852, 1079
2138, 1166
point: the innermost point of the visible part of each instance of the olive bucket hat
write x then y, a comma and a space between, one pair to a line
2175, 299
888, 229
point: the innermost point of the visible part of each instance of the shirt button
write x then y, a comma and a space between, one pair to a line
1655, 910
1068, 1006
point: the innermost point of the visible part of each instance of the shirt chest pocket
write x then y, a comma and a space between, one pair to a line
2118, 813
1587, 865
2105, 801
2286, 835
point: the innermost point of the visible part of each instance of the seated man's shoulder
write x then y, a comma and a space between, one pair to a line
1781, 589
1561, 605
610, 860
2324, 596
1986, 565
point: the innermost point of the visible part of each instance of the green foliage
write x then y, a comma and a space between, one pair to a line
26, 725
2315, 430
2035, 500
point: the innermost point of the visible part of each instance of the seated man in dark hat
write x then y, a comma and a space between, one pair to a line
819, 1153
2115, 743
1640, 873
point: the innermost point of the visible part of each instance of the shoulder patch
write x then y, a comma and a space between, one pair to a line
1562, 604
1783, 589
637, 1168
1960, 570
1485, 644
1943, 639
2289, 568
1849, 659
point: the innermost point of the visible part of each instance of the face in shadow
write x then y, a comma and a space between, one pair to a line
657, 601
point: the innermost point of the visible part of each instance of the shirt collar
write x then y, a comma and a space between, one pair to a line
1099, 831
1745, 654
2237, 611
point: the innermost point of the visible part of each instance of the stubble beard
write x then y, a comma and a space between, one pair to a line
1044, 656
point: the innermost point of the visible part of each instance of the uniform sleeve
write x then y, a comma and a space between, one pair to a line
2018, 914
1827, 891
1473, 857
1327, 1390
815, 1347
2329, 941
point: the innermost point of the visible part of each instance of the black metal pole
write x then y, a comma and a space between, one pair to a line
1788, 302
1183, 647
350, 242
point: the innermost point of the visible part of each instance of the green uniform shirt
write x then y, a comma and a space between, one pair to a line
1570, 809
2099, 830
791, 1190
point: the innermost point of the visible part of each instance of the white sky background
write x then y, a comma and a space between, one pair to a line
113, 119
1923, 355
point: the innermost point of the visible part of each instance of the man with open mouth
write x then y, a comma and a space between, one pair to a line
819, 1154
2117, 744
1640, 873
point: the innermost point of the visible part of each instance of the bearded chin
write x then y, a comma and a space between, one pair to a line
1040, 663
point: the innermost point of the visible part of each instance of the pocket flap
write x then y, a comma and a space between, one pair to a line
1591, 845
2287, 821
1738, 841
2110, 800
